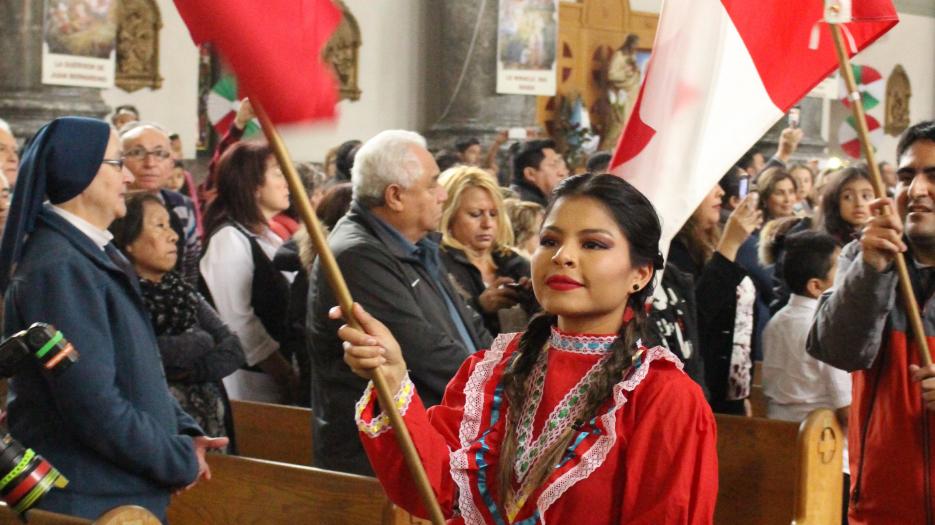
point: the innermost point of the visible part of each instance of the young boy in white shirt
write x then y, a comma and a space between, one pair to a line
794, 382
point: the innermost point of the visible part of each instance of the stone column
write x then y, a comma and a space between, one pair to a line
476, 110
25, 102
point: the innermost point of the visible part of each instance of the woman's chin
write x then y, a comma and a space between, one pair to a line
555, 304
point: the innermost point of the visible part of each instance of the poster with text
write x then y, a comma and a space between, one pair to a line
78, 46
526, 47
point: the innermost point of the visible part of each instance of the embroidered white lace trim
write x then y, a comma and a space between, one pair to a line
594, 457
470, 426
381, 422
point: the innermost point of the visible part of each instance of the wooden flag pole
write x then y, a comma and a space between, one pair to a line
905, 285
343, 296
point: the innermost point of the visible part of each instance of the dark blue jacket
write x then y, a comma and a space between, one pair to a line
108, 423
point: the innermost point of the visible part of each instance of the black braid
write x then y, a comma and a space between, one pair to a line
514, 387
640, 224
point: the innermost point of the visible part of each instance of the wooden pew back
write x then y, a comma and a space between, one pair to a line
253, 491
273, 432
771, 472
820, 484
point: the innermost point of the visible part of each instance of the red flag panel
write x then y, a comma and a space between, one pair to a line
274, 47
777, 34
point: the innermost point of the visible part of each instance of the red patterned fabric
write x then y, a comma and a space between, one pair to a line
649, 457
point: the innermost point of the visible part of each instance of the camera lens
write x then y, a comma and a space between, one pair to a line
26, 476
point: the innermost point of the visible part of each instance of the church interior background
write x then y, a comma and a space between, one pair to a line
415, 64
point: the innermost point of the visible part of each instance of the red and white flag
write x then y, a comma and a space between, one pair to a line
722, 72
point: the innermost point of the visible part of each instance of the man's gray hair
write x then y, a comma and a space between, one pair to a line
5, 127
385, 159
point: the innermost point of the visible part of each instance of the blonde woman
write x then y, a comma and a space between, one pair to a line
477, 248
526, 218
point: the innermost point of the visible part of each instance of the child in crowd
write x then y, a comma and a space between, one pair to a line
846, 204
795, 382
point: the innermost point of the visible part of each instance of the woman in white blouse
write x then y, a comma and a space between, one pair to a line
238, 276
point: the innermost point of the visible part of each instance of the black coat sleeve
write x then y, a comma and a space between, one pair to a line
207, 352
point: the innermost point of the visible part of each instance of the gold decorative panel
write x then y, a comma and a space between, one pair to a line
343, 53
138, 25
898, 92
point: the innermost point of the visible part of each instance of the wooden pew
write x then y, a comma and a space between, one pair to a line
252, 491
273, 432
770, 471
123, 515
774, 472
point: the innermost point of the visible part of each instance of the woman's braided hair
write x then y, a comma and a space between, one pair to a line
637, 219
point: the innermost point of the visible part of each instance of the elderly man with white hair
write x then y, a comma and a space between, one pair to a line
387, 249
9, 154
147, 154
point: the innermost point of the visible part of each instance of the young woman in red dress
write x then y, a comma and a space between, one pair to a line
572, 421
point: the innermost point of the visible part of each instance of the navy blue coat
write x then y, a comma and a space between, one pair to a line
108, 423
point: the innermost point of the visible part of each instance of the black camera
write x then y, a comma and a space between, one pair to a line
41, 342
25, 477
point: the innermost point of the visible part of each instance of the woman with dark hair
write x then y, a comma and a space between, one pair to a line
724, 295
239, 278
845, 204
574, 416
286, 223
344, 160
197, 349
805, 181
778, 191
334, 204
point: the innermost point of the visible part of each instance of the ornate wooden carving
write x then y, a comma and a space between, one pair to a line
138, 25
343, 53
898, 92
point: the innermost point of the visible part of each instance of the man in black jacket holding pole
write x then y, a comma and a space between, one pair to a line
387, 252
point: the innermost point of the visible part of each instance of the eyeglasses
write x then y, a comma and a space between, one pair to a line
140, 154
118, 163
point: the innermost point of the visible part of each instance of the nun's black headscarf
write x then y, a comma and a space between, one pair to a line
60, 162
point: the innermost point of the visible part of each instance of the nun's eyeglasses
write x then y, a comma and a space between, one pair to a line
117, 163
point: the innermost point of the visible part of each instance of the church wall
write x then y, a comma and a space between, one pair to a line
391, 77
393, 68
175, 105
910, 44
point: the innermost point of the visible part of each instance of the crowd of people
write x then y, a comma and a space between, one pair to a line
482, 285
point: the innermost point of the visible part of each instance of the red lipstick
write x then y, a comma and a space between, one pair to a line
562, 283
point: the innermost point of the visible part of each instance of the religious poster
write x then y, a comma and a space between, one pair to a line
526, 47
78, 48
